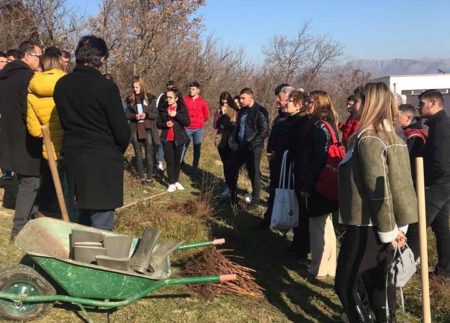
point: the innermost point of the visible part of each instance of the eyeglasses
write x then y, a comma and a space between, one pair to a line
34, 54
170, 98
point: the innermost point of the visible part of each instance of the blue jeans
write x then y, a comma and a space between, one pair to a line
160, 153
196, 136
100, 219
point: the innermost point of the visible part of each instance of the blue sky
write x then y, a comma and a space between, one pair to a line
373, 29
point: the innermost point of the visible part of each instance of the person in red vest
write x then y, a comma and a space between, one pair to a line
198, 114
351, 124
416, 137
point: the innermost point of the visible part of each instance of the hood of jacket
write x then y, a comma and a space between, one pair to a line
12, 67
43, 83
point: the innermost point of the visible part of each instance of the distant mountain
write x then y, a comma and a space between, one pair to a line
401, 66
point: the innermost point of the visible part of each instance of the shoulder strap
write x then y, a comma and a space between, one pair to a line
331, 131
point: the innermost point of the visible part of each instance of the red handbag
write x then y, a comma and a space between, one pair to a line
327, 184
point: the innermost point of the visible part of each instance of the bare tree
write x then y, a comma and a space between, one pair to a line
56, 22
18, 23
288, 55
303, 57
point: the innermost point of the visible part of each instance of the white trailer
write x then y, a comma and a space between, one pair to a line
410, 86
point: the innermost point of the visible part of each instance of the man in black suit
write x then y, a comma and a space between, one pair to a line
19, 151
96, 134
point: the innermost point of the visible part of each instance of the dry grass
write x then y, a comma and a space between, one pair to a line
198, 214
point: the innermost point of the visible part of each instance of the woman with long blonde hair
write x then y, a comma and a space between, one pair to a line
376, 202
142, 114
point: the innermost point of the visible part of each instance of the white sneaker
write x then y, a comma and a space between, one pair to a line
179, 186
248, 198
171, 188
225, 193
160, 166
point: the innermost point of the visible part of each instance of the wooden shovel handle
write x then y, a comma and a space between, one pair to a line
54, 171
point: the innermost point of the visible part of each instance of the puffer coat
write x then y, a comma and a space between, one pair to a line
41, 109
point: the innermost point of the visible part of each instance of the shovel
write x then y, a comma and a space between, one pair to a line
54, 171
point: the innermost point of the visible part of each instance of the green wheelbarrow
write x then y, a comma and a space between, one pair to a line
26, 295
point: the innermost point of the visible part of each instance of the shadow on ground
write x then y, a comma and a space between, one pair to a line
286, 281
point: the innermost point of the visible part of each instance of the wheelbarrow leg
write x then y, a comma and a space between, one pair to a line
84, 314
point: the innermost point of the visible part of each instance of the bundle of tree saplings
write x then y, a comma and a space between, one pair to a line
212, 262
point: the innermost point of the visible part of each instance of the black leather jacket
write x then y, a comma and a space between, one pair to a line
256, 128
436, 154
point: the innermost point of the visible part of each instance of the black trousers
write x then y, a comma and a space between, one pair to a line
25, 201
438, 217
361, 267
172, 154
149, 154
252, 160
224, 153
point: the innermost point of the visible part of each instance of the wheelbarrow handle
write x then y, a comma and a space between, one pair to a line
119, 303
201, 244
227, 278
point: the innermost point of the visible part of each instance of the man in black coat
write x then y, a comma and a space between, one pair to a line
282, 92
247, 142
96, 134
436, 157
19, 151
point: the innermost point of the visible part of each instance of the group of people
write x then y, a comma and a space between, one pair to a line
375, 195
165, 126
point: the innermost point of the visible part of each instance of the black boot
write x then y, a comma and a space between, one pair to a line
383, 317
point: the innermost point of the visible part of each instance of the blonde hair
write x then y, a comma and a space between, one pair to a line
142, 85
379, 109
323, 105
50, 62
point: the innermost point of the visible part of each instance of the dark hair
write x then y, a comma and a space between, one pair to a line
65, 54
178, 95
432, 94
171, 84
53, 51
13, 52
298, 97
2, 54
280, 87
194, 84
407, 108
358, 93
246, 90
90, 50
227, 96
351, 98
27, 46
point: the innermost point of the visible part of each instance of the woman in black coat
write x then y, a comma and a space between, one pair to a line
309, 167
293, 137
142, 114
173, 118
96, 134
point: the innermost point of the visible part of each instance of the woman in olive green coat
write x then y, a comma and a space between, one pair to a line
377, 202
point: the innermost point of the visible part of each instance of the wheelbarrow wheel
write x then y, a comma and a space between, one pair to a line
22, 279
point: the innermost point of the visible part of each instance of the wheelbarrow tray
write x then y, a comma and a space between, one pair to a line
94, 282
46, 241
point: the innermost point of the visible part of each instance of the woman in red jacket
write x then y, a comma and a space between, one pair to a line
198, 114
